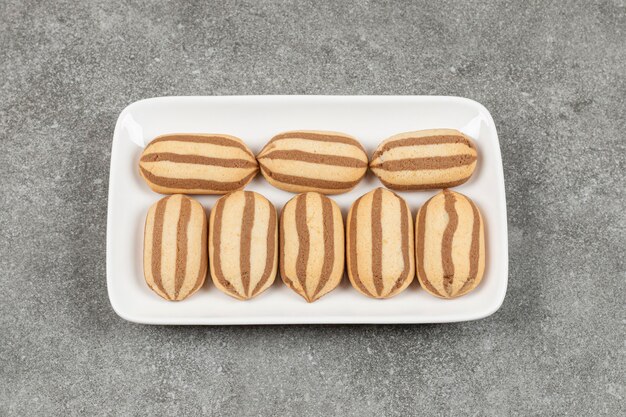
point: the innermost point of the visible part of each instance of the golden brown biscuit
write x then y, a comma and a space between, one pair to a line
324, 162
197, 164
379, 248
175, 247
425, 159
243, 244
311, 245
450, 245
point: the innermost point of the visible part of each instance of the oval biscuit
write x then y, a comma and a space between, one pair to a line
379, 248
324, 162
450, 245
197, 164
243, 244
425, 159
311, 245
175, 252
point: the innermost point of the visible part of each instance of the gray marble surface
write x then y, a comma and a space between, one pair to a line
553, 76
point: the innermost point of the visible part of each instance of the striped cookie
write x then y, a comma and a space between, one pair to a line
311, 245
175, 252
450, 245
325, 162
379, 248
425, 159
243, 244
197, 164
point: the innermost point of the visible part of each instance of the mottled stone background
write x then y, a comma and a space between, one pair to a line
551, 73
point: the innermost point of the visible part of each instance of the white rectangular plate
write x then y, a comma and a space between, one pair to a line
255, 119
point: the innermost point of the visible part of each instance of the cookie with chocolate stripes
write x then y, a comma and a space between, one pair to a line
175, 251
197, 164
324, 162
243, 244
450, 245
425, 159
379, 250
311, 245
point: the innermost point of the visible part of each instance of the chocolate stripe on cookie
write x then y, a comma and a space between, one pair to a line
198, 160
321, 137
303, 240
271, 250
245, 241
352, 229
426, 140
474, 249
377, 240
420, 249
329, 244
310, 182
475, 242
181, 245
420, 164
281, 242
216, 260
212, 139
202, 266
196, 184
336, 160
157, 244
404, 230
446, 244
428, 186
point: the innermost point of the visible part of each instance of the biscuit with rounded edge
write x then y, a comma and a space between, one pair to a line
311, 245
243, 244
379, 250
450, 245
320, 161
175, 247
197, 164
425, 159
